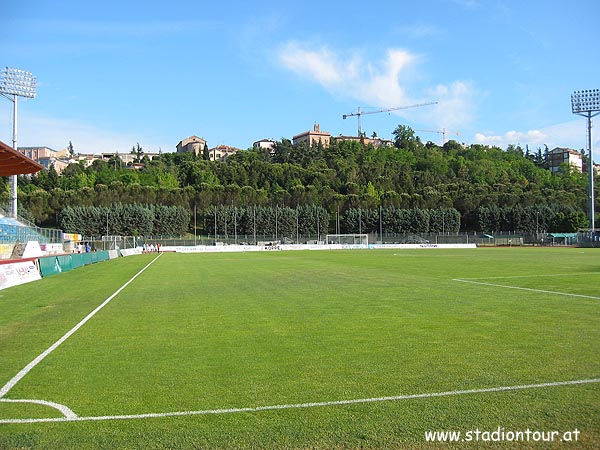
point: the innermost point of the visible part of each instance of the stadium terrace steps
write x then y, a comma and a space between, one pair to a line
11, 231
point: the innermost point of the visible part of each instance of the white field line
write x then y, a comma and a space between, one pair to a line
543, 275
542, 291
304, 405
8, 386
62, 408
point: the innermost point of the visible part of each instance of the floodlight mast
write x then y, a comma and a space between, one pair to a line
15, 83
586, 103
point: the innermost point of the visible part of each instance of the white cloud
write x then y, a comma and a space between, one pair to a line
376, 84
319, 65
570, 134
455, 106
384, 83
35, 130
381, 86
531, 137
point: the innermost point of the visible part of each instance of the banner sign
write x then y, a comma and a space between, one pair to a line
13, 274
131, 251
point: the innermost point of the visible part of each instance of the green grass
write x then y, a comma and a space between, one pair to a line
212, 331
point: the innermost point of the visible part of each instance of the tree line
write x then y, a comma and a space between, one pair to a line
124, 220
531, 219
345, 176
311, 220
398, 220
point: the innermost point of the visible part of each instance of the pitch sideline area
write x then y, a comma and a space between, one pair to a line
68, 414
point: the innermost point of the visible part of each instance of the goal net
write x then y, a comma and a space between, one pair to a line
347, 239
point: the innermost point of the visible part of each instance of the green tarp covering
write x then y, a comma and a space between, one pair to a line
51, 265
65, 262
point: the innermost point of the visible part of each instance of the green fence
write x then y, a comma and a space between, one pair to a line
52, 265
49, 266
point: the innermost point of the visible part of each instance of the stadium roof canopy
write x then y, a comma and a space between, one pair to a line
14, 163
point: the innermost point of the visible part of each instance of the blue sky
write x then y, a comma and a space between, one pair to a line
111, 74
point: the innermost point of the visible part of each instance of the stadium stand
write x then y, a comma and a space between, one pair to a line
16, 230
13, 231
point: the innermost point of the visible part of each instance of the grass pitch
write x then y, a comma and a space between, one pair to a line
219, 335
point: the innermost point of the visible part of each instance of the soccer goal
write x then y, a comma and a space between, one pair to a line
347, 239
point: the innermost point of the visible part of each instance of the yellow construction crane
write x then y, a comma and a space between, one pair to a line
443, 132
359, 112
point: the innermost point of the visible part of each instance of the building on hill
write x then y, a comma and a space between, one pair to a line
128, 158
47, 157
314, 137
193, 144
558, 156
221, 152
62, 158
87, 158
265, 144
375, 142
36, 153
59, 164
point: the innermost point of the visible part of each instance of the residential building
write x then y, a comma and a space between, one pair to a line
59, 164
128, 158
36, 153
193, 144
47, 157
86, 158
375, 142
558, 156
265, 144
314, 137
221, 152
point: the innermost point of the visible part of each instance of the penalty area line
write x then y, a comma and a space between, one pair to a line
23, 372
541, 291
305, 405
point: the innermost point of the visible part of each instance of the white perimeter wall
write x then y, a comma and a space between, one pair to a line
257, 248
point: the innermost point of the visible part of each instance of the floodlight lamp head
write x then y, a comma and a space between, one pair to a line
585, 101
17, 82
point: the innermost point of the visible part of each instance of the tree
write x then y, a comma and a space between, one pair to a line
283, 151
138, 152
115, 162
404, 137
71, 149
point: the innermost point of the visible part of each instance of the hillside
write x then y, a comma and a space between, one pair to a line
343, 176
